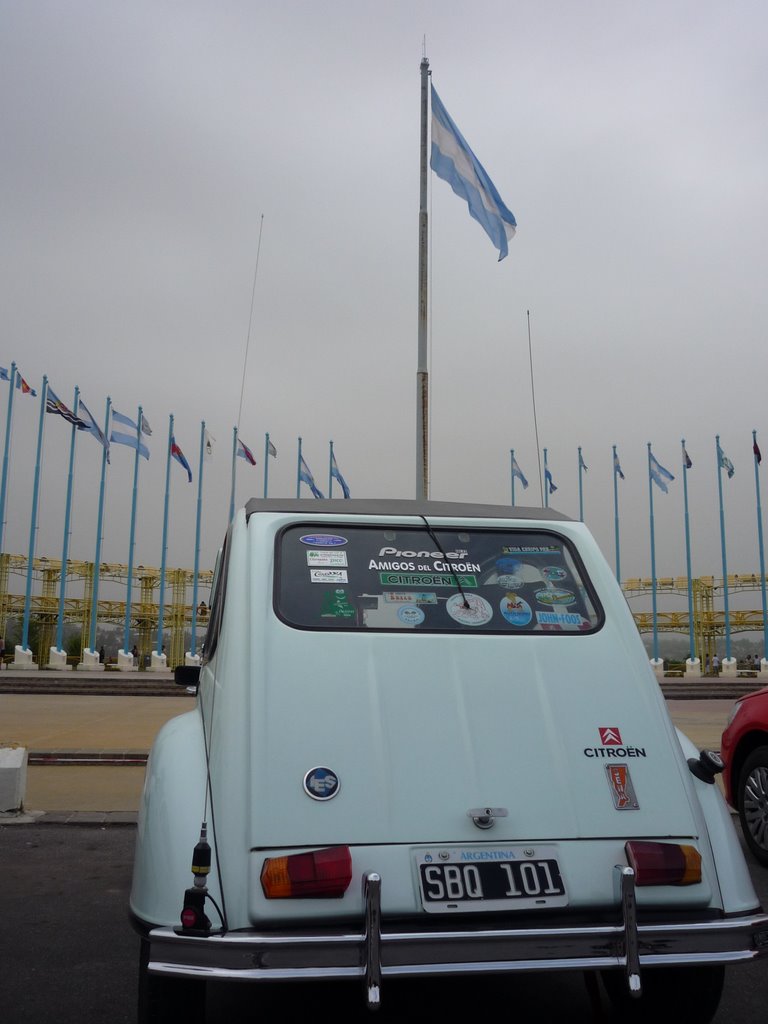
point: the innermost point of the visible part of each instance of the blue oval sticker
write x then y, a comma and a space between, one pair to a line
321, 783
323, 540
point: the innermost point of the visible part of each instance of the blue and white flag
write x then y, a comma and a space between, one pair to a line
550, 482
337, 475
617, 466
130, 440
309, 480
516, 471
4, 375
454, 162
725, 462
90, 424
659, 475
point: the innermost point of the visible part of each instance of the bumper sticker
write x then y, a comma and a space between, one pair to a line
622, 790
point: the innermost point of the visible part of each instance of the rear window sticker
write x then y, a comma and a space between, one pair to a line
553, 595
515, 610
423, 579
510, 582
336, 605
622, 790
410, 615
554, 572
532, 549
327, 558
566, 620
323, 540
469, 609
328, 576
509, 565
409, 598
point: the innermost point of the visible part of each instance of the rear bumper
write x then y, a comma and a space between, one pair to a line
376, 952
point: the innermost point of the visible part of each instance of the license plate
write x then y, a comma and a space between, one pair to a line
466, 879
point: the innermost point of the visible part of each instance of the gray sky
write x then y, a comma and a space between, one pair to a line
142, 142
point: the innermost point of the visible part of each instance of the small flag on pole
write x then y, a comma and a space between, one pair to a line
309, 480
617, 466
516, 471
337, 475
25, 388
178, 454
129, 440
271, 450
756, 451
687, 458
208, 442
145, 427
725, 462
582, 463
454, 162
552, 487
55, 405
659, 475
90, 424
244, 452
4, 375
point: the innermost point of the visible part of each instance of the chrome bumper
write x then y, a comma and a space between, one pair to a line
375, 952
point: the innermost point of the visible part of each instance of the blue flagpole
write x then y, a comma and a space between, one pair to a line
330, 470
33, 521
722, 546
616, 516
6, 455
298, 472
512, 472
164, 551
653, 563
546, 482
198, 519
266, 463
234, 471
132, 537
760, 546
99, 522
67, 514
581, 492
691, 634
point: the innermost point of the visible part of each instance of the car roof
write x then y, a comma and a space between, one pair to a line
400, 507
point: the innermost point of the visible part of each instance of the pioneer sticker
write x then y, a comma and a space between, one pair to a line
622, 790
328, 576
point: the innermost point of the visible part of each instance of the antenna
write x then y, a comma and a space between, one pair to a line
250, 321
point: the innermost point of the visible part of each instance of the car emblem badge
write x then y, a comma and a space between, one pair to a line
321, 783
622, 790
610, 736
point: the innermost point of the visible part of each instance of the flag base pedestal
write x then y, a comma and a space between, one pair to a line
728, 667
191, 659
125, 662
657, 664
13, 778
763, 667
91, 661
159, 663
57, 661
23, 660
693, 668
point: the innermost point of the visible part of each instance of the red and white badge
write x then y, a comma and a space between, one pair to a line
610, 736
622, 790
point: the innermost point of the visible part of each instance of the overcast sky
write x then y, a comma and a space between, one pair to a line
143, 142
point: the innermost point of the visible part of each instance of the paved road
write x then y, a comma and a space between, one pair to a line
68, 954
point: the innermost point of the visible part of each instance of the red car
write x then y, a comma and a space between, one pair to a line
744, 748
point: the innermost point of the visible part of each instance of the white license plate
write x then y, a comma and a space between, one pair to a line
466, 879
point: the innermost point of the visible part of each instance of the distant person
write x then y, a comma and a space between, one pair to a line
102, 654
135, 653
2, 652
716, 664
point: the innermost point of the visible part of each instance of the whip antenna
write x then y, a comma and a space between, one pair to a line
250, 322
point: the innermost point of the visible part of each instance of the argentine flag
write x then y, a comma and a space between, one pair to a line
454, 162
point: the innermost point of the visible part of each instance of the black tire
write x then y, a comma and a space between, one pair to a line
163, 999
685, 995
752, 802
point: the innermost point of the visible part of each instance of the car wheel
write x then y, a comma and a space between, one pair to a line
687, 995
168, 999
752, 799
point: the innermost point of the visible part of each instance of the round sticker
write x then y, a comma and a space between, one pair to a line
553, 572
515, 610
410, 615
477, 613
510, 582
509, 565
321, 783
323, 540
555, 596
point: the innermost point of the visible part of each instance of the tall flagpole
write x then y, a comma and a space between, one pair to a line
691, 632
298, 472
422, 376
581, 490
65, 546
512, 472
193, 658
33, 520
755, 450
161, 597
330, 469
97, 555
234, 471
266, 464
131, 543
616, 516
722, 547
653, 563
6, 456
546, 482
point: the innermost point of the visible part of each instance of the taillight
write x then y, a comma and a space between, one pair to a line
321, 874
663, 863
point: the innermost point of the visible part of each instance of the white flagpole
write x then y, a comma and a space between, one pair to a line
422, 376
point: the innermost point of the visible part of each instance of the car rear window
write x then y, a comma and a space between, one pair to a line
388, 578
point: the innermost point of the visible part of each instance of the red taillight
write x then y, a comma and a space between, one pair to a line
663, 863
321, 874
